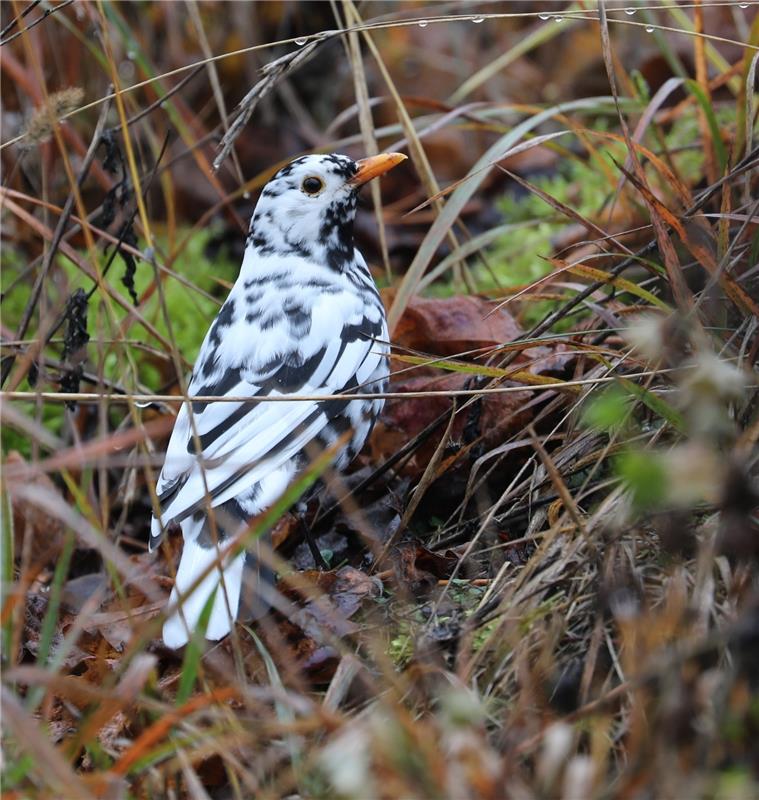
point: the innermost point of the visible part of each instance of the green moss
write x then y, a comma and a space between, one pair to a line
122, 358
521, 256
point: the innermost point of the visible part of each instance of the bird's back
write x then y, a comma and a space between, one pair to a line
304, 321
317, 334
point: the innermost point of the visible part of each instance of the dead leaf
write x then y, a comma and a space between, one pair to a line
446, 327
418, 569
353, 587
78, 591
307, 631
454, 325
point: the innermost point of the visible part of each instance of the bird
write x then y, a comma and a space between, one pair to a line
304, 317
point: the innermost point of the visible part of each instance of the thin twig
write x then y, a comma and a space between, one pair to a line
57, 236
48, 12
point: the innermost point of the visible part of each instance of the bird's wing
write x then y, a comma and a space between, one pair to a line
223, 449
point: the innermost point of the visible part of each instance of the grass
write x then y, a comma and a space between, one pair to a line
568, 608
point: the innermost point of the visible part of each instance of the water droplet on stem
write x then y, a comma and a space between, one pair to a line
301, 40
423, 23
478, 20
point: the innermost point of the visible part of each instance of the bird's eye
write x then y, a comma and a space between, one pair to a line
312, 185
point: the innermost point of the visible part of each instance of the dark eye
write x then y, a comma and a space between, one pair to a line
312, 185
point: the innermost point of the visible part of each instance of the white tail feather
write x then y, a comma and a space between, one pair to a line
194, 562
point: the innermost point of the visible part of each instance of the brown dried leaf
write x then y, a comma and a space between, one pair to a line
308, 629
419, 569
402, 419
453, 325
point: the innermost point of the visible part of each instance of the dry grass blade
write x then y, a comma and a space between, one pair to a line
93, 397
273, 72
430, 474
566, 211
683, 297
416, 149
367, 134
56, 238
59, 776
699, 240
540, 36
214, 77
456, 202
543, 566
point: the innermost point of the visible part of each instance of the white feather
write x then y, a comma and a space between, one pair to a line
252, 458
194, 562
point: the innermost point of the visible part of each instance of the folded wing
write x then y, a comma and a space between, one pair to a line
220, 450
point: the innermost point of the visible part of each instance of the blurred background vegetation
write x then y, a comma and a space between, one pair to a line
545, 586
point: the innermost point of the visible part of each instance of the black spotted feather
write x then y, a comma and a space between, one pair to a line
303, 318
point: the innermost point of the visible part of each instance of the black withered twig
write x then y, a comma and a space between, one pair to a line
74, 342
126, 233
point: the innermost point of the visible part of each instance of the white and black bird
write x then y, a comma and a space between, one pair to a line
303, 318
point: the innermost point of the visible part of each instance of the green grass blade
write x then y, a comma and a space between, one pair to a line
703, 100
194, 652
656, 404
464, 191
6, 572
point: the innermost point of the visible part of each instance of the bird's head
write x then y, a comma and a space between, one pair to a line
309, 206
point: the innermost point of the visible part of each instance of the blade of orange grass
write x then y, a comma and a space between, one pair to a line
682, 294
696, 237
160, 729
703, 96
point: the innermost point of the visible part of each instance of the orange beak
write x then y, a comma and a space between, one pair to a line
374, 166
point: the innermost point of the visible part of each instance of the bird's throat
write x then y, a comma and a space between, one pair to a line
327, 240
